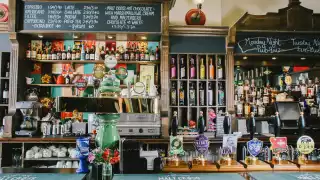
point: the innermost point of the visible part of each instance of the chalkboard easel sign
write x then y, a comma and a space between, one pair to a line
69, 16
270, 44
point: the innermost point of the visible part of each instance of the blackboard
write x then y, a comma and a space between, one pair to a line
68, 16
264, 44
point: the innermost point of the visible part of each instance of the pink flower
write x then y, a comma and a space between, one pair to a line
91, 157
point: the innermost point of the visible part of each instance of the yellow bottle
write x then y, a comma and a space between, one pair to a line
202, 70
211, 70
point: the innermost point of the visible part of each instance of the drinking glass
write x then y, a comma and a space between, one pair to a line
16, 157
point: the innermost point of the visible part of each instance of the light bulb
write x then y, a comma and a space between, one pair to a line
198, 1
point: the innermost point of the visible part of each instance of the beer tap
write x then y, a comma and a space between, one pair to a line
227, 124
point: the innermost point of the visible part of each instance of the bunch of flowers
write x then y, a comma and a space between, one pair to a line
98, 156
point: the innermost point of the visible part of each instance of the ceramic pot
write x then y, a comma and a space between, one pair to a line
107, 133
195, 17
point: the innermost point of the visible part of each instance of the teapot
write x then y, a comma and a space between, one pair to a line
59, 80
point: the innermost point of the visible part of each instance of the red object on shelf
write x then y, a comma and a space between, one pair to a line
5, 12
300, 68
195, 16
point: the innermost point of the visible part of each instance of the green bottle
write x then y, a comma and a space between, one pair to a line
201, 125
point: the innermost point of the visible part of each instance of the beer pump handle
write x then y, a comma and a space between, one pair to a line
252, 125
301, 123
227, 124
277, 125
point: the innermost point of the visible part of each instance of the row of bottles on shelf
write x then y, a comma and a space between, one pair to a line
183, 97
183, 74
80, 52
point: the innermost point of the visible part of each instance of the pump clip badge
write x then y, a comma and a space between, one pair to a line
278, 144
305, 144
254, 147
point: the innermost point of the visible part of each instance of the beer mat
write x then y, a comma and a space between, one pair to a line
284, 176
193, 176
41, 176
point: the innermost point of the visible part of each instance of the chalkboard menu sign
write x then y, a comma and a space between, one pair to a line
278, 45
110, 17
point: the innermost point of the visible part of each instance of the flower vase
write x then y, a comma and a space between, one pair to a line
106, 171
107, 133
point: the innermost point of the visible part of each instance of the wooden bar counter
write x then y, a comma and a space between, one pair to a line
257, 166
183, 168
308, 166
234, 166
284, 165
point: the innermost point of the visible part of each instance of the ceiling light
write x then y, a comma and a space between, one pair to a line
198, 1
303, 58
274, 58
40, 36
110, 37
75, 37
245, 57
143, 37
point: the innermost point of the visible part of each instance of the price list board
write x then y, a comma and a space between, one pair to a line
92, 17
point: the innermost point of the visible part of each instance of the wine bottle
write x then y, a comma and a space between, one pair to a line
127, 55
34, 54
5, 94
28, 52
173, 69
83, 53
173, 95
87, 53
78, 53
211, 69
182, 69
102, 53
192, 69
201, 94
39, 54
202, 70
152, 56
220, 69
54, 54
132, 55
210, 94
73, 53
181, 95
173, 129
147, 56
201, 124
137, 55
67, 78
220, 95
192, 95
157, 53
62, 55
69, 53
97, 53
7, 69
92, 53
49, 55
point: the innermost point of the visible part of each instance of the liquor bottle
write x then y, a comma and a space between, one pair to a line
192, 69
142, 54
69, 53
5, 94
67, 78
210, 94
34, 54
112, 52
102, 54
181, 95
310, 89
83, 53
62, 55
78, 53
173, 69
211, 69
219, 69
220, 95
201, 94
28, 52
261, 109
239, 107
132, 55
316, 91
92, 53
157, 53
192, 95
7, 69
118, 55
147, 56
137, 55
49, 55
247, 109
44, 53
127, 55
73, 53
54, 54
39, 57
182, 69
173, 95
97, 53
303, 88
87, 53
201, 123
152, 56
173, 129
202, 69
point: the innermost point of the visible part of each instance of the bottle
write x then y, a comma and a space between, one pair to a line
108, 52
219, 69
201, 124
220, 95
137, 55
54, 54
44, 55
192, 69
7, 70
62, 55
103, 53
132, 55
39, 57
97, 53
173, 69
67, 78
211, 69
92, 53
73, 53
202, 69
118, 55
173, 129
147, 56
247, 109
83, 53
181, 95
201, 94
310, 90
157, 53
28, 52
49, 55
127, 55
210, 94
152, 56
78, 53
69, 53
5, 94
87, 53
173, 95
34, 54
192, 95
182, 69
142, 55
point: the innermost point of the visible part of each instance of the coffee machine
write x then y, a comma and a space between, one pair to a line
27, 116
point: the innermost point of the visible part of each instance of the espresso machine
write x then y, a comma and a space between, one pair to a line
27, 115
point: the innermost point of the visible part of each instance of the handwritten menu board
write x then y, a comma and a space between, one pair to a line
278, 45
92, 17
